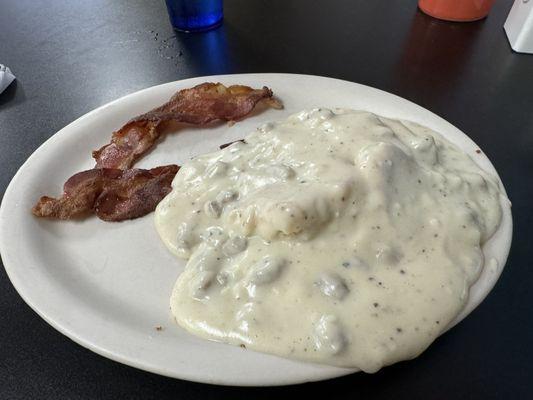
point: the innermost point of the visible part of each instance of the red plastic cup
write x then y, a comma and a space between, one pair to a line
456, 10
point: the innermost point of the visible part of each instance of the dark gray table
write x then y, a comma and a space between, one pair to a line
72, 56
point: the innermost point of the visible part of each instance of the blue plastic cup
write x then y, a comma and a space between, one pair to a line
195, 15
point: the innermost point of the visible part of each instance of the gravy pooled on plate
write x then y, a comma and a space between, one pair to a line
337, 237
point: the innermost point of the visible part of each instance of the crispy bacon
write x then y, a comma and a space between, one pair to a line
112, 194
112, 190
199, 105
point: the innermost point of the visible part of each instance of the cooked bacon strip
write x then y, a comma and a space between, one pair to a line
113, 191
199, 105
112, 194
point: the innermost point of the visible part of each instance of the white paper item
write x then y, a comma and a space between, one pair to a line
6, 77
519, 26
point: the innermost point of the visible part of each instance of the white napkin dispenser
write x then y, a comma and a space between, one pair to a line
519, 26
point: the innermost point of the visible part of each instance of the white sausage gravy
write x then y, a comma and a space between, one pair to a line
337, 237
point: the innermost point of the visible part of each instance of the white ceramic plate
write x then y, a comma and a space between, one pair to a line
107, 285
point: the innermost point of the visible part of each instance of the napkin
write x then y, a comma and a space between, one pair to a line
6, 77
